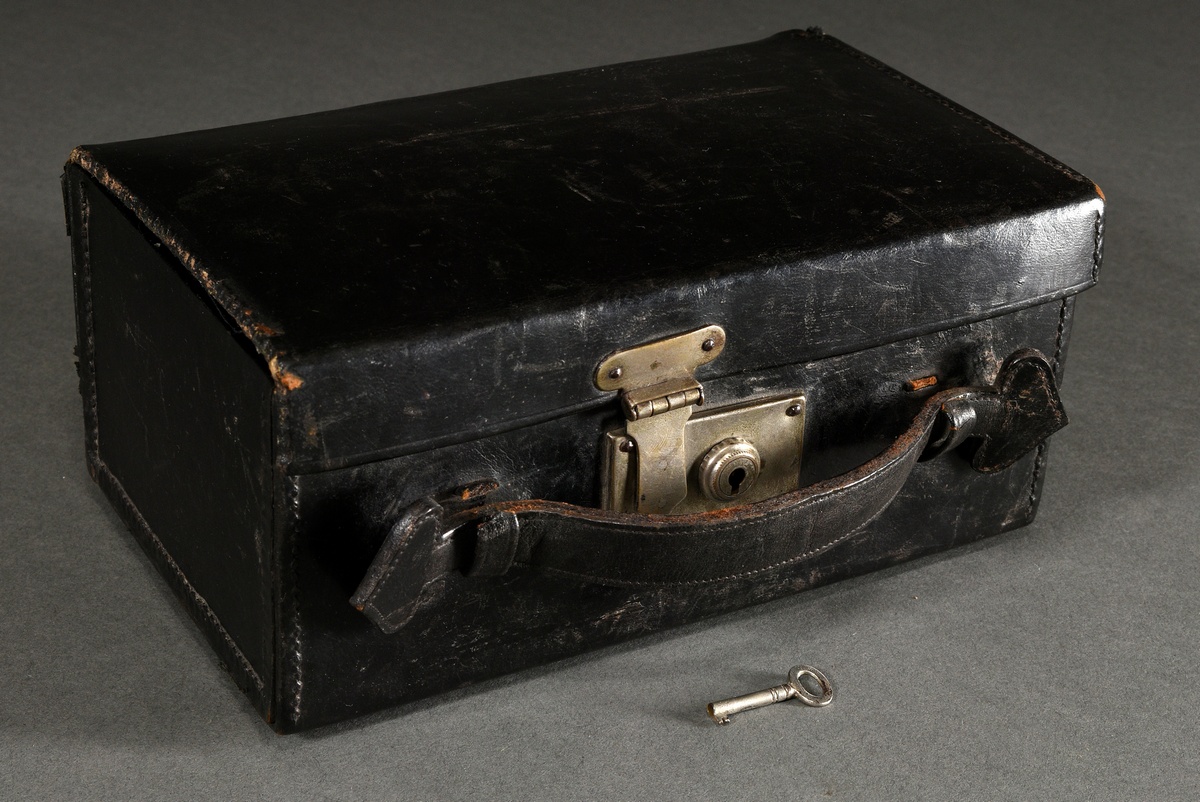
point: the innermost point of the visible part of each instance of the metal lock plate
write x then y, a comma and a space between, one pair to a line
670, 459
774, 427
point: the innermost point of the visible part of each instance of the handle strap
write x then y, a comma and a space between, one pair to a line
432, 540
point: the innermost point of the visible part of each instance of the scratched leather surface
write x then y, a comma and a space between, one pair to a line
422, 271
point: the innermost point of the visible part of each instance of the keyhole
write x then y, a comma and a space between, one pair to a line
729, 470
735, 480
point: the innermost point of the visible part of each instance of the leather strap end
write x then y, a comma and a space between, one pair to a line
1030, 410
409, 565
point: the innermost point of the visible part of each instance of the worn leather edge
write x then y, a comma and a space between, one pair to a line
177, 240
1098, 250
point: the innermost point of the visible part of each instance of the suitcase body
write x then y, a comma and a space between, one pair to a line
409, 395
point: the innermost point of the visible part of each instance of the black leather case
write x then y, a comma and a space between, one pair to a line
339, 370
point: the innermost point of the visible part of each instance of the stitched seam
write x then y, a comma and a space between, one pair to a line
609, 581
964, 113
1041, 449
85, 209
1058, 339
196, 598
1096, 249
387, 574
1037, 472
291, 498
411, 608
394, 561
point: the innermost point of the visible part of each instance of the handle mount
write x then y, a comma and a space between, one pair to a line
634, 549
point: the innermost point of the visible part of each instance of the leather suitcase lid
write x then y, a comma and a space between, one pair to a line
428, 270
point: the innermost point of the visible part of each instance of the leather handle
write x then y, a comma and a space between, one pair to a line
433, 540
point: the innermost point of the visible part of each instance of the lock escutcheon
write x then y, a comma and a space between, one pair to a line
729, 469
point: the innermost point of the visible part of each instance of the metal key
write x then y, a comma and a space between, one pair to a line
792, 689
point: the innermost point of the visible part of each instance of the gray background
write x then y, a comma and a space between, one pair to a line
1054, 662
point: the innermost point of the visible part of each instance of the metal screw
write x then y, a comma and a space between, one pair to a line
792, 689
794, 410
709, 344
627, 445
615, 373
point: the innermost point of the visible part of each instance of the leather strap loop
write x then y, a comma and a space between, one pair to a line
496, 545
632, 549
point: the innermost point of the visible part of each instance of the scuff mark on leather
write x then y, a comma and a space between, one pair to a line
541, 119
284, 378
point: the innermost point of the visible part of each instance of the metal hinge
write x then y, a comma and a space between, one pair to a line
660, 376
669, 458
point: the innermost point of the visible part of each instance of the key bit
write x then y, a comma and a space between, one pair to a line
792, 689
